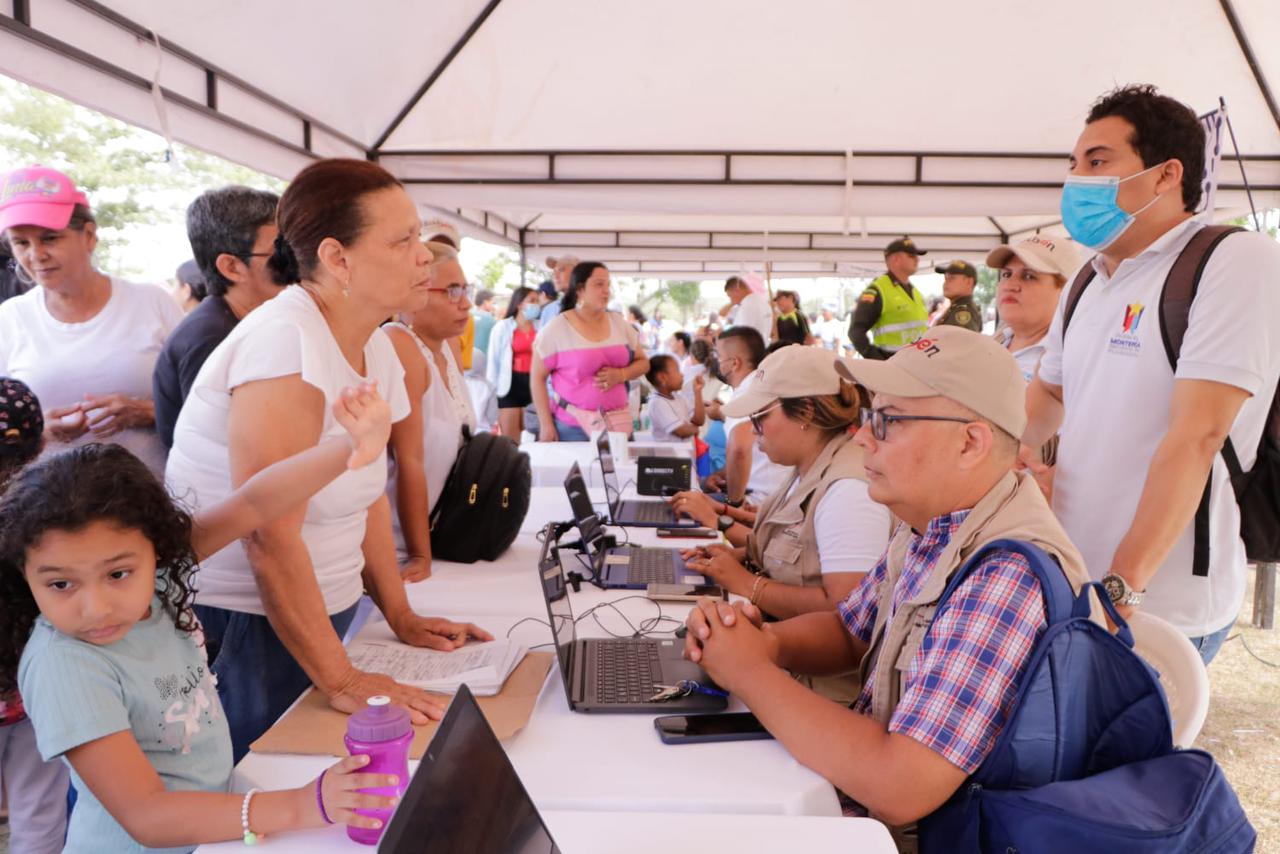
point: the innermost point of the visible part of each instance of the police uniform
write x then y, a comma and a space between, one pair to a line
963, 310
889, 314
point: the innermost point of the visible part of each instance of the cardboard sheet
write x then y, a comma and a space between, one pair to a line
313, 727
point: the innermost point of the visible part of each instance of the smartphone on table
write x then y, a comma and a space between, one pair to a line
684, 592
691, 533
725, 726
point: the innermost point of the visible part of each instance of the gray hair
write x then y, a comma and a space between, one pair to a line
226, 222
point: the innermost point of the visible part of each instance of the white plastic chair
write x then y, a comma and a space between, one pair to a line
1182, 673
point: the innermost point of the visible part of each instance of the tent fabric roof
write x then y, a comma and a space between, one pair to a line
668, 137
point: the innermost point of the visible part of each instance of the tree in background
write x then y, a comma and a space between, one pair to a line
127, 172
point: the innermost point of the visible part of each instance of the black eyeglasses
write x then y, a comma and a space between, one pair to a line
879, 420
757, 418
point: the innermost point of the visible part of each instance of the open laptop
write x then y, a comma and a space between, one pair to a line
633, 513
619, 674
631, 567
465, 797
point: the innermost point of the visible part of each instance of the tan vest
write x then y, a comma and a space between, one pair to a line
783, 542
1014, 509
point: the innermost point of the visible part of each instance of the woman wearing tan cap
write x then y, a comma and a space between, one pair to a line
819, 533
1032, 275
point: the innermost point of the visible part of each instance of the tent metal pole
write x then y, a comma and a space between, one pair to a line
1226, 114
524, 266
1243, 41
435, 75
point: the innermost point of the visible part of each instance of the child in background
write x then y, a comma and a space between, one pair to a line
37, 790
672, 416
96, 563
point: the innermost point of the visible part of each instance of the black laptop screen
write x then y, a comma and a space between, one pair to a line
607, 470
465, 797
560, 615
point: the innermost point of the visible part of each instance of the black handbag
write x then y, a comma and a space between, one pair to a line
484, 500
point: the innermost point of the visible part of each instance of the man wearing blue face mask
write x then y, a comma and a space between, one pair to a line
1140, 443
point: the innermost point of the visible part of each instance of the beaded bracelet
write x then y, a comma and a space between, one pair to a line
250, 838
320, 799
758, 587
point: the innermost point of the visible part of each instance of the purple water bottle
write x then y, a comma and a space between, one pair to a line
383, 733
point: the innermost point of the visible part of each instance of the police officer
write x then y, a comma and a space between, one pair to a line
958, 280
890, 309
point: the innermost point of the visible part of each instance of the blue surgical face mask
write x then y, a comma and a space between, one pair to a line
1090, 212
532, 310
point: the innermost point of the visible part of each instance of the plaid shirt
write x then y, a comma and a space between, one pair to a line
960, 686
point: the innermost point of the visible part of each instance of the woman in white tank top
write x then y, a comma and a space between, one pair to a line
425, 444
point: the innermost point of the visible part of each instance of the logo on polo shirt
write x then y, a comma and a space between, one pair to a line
1127, 343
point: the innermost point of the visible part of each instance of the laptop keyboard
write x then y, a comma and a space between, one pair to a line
650, 566
648, 511
626, 671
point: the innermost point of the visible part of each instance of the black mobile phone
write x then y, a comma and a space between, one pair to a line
692, 533
726, 726
684, 592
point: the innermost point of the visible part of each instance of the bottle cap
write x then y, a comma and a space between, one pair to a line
378, 721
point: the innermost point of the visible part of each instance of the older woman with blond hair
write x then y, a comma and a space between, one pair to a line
425, 444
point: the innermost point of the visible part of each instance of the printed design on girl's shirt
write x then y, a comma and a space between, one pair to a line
191, 698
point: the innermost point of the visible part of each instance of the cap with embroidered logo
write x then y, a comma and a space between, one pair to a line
794, 371
972, 369
1044, 254
964, 268
38, 195
904, 244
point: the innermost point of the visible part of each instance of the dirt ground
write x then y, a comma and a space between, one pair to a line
1243, 728
1242, 731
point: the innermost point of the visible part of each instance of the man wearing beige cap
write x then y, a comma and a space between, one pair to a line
939, 451
560, 269
1032, 273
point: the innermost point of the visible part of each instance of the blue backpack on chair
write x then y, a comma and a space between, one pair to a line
1086, 761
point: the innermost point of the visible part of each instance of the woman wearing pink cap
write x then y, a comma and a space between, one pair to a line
86, 343
1032, 274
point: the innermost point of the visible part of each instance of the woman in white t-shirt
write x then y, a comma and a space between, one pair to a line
590, 354
84, 342
275, 609
425, 443
1032, 275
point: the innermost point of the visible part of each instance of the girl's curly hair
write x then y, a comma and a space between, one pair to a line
66, 492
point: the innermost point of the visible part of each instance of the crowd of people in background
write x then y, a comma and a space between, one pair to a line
308, 387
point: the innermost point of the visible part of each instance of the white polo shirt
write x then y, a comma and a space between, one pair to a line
754, 311
1117, 390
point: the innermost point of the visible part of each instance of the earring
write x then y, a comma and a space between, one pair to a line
346, 289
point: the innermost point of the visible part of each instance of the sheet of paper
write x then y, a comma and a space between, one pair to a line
483, 665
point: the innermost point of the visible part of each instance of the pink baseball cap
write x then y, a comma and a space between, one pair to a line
38, 195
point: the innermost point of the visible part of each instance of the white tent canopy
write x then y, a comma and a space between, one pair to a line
672, 138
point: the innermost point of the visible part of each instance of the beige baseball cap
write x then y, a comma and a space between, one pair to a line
1042, 253
795, 371
970, 368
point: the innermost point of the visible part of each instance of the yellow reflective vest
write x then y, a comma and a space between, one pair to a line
904, 318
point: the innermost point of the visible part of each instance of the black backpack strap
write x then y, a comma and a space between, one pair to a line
1176, 297
1078, 284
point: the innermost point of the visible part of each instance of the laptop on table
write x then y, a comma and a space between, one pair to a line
465, 797
633, 513
630, 567
620, 674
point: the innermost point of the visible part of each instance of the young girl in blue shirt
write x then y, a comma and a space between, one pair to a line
96, 568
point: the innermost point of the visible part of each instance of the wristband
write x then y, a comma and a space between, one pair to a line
320, 798
250, 838
758, 587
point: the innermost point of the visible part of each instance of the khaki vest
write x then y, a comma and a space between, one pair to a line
783, 542
1014, 509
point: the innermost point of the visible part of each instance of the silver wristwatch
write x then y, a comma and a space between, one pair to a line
724, 522
1120, 591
